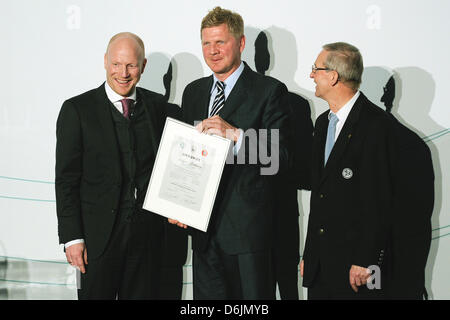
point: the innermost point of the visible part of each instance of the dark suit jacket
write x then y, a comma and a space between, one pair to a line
350, 217
88, 171
242, 216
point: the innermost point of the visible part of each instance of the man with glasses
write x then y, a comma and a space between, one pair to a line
351, 194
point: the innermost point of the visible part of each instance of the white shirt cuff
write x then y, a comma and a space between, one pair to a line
237, 145
70, 243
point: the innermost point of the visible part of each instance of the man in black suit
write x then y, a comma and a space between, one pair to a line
233, 259
351, 199
107, 140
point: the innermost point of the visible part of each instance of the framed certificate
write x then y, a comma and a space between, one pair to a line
186, 174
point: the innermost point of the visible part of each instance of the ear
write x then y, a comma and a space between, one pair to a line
242, 44
144, 63
334, 77
105, 61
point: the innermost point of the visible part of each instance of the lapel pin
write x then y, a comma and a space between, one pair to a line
347, 173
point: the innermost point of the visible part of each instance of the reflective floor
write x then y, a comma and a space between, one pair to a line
26, 279
22, 279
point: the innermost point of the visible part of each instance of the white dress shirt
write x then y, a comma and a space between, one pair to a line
343, 113
115, 97
229, 85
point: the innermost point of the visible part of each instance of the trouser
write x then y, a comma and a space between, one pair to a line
130, 266
220, 276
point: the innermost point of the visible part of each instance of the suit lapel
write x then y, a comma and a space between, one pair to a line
201, 103
238, 95
320, 136
152, 116
345, 136
103, 111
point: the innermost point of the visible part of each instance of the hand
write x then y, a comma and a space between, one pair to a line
302, 263
76, 255
216, 125
181, 225
358, 276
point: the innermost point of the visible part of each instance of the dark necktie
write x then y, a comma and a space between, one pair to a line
219, 100
127, 105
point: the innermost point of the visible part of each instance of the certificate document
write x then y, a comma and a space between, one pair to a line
186, 174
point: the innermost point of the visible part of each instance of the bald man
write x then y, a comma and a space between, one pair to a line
107, 139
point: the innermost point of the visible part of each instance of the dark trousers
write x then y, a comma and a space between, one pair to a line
219, 276
174, 257
130, 266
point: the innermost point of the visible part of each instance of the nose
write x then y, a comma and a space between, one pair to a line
312, 74
123, 71
213, 49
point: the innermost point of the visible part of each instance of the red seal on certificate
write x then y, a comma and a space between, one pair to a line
204, 153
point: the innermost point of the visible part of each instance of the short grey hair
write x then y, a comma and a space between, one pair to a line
347, 61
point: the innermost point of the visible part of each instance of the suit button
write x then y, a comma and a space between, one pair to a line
113, 211
321, 231
321, 196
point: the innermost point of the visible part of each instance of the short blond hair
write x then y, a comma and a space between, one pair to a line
218, 16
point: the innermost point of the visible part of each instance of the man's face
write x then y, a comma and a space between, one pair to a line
321, 77
124, 65
221, 50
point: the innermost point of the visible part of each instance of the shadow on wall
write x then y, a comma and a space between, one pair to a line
408, 94
282, 65
169, 77
152, 78
186, 68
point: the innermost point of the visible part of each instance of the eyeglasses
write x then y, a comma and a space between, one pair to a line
314, 68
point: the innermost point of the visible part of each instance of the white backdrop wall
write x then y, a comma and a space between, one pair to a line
52, 50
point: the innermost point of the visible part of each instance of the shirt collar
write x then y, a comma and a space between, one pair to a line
230, 81
114, 96
345, 110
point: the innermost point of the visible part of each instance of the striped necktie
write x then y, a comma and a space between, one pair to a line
219, 100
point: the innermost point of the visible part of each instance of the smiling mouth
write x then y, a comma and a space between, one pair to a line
122, 82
